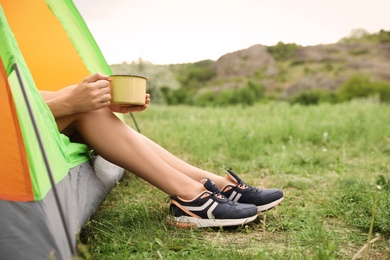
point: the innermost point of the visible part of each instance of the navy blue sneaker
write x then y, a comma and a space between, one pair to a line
209, 209
264, 199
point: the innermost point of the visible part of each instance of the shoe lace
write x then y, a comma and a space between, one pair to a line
244, 186
217, 193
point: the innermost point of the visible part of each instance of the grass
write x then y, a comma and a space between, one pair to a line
327, 158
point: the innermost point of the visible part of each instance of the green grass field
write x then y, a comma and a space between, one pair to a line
328, 159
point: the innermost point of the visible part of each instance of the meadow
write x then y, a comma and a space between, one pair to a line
332, 161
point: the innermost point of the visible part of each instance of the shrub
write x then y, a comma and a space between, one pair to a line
314, 97
283, 51
177, 96
383, 89
206, 99
384, 36
256, 89
360, 86
194, 75
360, 35
247, 95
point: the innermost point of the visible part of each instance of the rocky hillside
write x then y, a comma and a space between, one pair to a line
321, 66
245, 63
283, 69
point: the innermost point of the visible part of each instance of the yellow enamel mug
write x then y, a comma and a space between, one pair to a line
128, 89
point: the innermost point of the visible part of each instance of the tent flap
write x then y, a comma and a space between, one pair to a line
62, 154
15, 183
80, 35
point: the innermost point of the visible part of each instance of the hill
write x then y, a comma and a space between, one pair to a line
280, 71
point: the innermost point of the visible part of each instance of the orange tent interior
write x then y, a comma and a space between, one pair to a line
15, 186
60, 65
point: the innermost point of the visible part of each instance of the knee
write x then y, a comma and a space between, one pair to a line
95, 114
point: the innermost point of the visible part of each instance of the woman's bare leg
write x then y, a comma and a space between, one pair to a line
184, 167
121, 145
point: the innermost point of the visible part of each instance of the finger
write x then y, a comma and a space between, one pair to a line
101, 84
105, 104
135, 108
105, 98
126, 106
103, 89
125, 110
96, 77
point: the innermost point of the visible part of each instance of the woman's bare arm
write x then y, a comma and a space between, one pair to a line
59, 101
91, 94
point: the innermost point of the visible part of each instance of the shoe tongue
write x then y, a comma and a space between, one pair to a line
232, 176
210, 186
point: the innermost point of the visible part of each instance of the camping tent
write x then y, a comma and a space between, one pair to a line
49, 186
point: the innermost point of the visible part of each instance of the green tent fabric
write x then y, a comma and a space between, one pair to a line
72, 154
80, 35
33, 230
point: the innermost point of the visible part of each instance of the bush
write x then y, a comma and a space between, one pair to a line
283, 51
384, 36
360, 86
360, 35
314, 97
195, 75
206, 99
177, 96
247, 95
383, 89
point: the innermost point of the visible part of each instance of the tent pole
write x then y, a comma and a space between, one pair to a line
135, 122
50, 174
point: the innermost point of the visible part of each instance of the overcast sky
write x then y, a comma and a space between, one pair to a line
178, 31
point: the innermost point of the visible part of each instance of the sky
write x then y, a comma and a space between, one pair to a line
181, 31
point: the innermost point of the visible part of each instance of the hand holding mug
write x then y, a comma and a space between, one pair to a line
91, 94
130, 108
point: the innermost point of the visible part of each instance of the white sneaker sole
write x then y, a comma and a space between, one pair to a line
269, 205
187, 221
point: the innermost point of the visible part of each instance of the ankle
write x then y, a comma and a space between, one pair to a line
191, 192
222, 182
